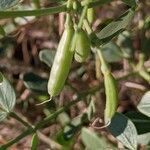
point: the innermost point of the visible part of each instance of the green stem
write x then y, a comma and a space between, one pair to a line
18, 138
141, 68
48, 119
45, 121
37, 12
104, 65
79, 26
82, 17
17, 117
44, 11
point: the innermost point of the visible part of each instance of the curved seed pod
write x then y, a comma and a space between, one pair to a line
110, 90
90, 15
111, 96
62, 63
82, 47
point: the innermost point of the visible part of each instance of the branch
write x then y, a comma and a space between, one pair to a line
48, 119
45, 11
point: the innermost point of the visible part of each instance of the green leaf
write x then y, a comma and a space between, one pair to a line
34, 142
111, 52
115, 27
92, 141
125, 42
5, 4
144, 105
141, 122
124, 130
7, 97
131, 3
35, 83
47, 56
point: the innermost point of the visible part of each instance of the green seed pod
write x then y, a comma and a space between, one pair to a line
90, 15
62, 63
111, 96
82, 47
110, 89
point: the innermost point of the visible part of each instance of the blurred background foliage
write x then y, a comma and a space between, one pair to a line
27, 49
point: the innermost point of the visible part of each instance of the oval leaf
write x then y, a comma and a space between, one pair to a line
144, 105
124, 41
124, 130
35, 83
5, 4
111, 52
141, 122
115, 27
7, 97
47, 56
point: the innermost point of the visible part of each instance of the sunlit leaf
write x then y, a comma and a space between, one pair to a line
7, 97
144, 105
115, 27
124, 130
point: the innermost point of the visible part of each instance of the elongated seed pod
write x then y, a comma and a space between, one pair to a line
110, 90
82, 48
111, 96
62, 63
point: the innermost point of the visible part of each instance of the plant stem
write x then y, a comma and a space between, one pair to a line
82, 17
18, 138
41, 123
141, 68
44, 11
48, 119
37, 12
17, 117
